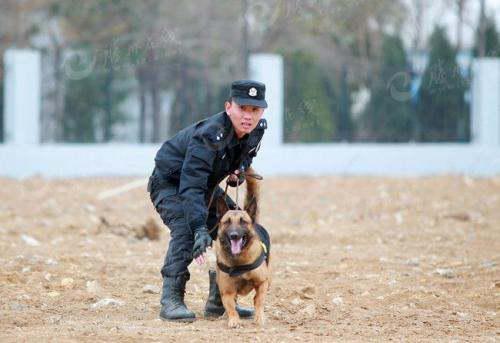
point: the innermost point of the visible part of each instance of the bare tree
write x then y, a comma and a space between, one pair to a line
460, 21
419, 21
482, 29
193, 49
460, 6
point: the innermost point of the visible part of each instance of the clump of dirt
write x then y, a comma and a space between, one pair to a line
150, 230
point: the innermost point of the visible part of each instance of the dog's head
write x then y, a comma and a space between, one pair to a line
236, 229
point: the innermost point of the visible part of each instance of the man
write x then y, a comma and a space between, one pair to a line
188, 170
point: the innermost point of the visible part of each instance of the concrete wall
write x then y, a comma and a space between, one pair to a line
268, 68
316, 159
486, 102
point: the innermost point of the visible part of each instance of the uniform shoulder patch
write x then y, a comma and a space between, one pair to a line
214, 135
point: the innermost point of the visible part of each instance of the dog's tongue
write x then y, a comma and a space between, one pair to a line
236, 246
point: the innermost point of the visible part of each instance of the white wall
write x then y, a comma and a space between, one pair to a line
316, 159
379, 159
22, 97
486, 102
268, 68
69, 160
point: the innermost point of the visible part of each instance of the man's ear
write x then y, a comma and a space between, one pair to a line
221, 206
227, 106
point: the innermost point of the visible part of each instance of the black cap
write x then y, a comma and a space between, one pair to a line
249, 92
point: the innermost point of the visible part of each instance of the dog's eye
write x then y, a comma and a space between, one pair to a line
242, 221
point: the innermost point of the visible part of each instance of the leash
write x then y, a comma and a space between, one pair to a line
242, 269
245, 175
255, 176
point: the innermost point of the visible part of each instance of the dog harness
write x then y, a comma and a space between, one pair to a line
242, 269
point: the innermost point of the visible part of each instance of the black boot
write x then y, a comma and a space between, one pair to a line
172, 300
214, 307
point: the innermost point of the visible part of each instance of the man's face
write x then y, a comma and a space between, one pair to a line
244, 118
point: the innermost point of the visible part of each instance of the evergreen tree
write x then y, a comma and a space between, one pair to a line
92, 103
308, 102
342, 112
92, 106
491, 39
441, 108
388, 118
191, 102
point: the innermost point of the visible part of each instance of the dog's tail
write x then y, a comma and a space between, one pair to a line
252, 196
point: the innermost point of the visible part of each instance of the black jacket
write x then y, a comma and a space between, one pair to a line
200, 156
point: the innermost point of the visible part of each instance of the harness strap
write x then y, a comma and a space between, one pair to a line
264, 247
239, 270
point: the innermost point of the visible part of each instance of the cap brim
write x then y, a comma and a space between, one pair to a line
250, 102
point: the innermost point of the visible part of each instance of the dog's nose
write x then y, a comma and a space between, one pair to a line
234, 236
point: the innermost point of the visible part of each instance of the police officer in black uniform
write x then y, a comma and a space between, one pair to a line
187, 173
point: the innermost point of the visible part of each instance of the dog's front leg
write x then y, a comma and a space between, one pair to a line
258, 301
229, 302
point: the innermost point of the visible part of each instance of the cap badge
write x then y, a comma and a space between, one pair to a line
252, 91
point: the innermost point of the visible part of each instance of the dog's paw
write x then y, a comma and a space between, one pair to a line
259, 319
234, 323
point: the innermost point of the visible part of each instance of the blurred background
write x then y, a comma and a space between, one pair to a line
354, 70
381, 164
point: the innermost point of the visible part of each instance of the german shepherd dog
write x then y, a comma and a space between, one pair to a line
242, 251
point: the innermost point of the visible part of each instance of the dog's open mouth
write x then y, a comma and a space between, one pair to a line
237, 245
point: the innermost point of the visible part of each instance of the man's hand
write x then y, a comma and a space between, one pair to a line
235, 179
202, 241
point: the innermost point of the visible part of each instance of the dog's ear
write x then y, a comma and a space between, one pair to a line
252, 196
222, 206
251, 208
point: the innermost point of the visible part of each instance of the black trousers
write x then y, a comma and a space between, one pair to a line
168, 204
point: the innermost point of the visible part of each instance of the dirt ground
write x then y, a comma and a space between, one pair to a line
354, 258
